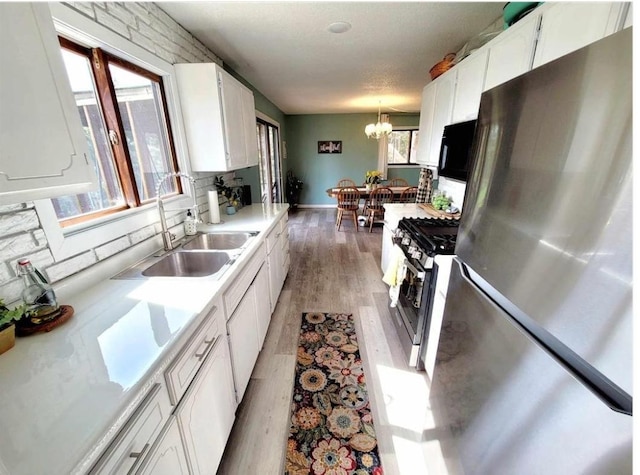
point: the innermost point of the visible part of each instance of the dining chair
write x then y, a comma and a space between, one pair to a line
348, 202
375, 205
346, 182
397, 182
408, 195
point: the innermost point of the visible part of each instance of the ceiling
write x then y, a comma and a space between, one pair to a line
285, 50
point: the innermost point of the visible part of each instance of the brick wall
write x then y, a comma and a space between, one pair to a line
21, 235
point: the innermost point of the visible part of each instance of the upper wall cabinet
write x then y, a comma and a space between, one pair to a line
511, 53
219, 117
437, 106
426, 121
469, 87
568, 26
43, 152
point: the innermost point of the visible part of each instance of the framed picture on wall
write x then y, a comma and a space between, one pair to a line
329, 146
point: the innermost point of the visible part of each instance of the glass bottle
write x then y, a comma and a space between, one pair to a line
37, 294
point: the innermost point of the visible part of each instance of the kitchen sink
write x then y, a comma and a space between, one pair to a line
219, 241
188, 264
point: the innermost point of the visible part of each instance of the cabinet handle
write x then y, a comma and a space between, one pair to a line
200, 356
138, 456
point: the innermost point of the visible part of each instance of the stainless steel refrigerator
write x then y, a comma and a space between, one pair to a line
534, 362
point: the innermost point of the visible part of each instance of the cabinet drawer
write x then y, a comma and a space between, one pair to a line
133, 442
183, 369
239, 286
272, 237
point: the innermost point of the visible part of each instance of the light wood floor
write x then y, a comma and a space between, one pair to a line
332, 271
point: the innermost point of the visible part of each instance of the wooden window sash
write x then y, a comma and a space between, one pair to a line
108, 104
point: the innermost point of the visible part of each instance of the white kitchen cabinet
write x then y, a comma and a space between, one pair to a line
219, 118
511, 53
426, 122
469, 87
568, 26
263, 307
244, 341
167, 457
277, 242
441, 113
43, 151
251, 134
131, 446
207, 411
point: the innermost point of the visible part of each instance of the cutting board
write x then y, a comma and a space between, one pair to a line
428, 207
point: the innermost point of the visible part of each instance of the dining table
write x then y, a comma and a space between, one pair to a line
364, 193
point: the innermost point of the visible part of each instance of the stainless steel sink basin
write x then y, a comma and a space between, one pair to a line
219, 241
188, 264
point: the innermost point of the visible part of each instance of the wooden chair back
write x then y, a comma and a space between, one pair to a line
346, 182
349, 198
379, 197
408, 195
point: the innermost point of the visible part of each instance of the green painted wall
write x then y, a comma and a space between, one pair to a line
359, 154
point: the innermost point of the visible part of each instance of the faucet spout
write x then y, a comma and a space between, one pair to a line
167, 237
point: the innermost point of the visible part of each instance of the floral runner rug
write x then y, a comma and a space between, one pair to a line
331, 422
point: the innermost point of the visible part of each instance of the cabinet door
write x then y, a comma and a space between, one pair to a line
243, 339
231, 93
469, 87
511, 53
568, 26
168, 455
207, 411
263, 303
275, 267
201, 106
426, 121
250, 131
43, 152
441, 113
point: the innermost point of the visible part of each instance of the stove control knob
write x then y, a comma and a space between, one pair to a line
417, 255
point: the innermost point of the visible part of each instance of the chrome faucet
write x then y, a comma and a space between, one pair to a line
168, 237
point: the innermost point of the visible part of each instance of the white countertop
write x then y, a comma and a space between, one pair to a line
394, 212
64, 391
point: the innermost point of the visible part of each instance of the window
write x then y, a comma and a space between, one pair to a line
270, 167
123, 111
402, 146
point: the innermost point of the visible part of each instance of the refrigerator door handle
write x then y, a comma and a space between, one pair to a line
601, 386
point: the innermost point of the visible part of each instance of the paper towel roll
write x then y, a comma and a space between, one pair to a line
214, 207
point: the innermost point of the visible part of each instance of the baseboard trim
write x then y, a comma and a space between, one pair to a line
316, 206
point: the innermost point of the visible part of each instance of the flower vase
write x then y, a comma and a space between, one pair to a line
368, 187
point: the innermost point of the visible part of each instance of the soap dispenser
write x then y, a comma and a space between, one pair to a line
190, 225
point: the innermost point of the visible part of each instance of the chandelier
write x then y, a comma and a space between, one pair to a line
379, 129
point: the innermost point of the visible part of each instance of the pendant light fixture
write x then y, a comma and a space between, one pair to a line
378, 129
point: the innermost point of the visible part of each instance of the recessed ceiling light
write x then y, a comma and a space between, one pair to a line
339, 27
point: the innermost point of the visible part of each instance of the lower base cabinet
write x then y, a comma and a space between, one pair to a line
243, 340
167, 457
207, 411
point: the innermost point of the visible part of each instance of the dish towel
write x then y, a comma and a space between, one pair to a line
425, 186
394, 275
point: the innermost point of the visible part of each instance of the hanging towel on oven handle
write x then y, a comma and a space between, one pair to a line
395, 273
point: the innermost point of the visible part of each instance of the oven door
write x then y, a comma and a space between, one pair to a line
410, 311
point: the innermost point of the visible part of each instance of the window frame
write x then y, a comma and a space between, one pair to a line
81, 237
404, 128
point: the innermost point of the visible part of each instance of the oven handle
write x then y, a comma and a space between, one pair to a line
412, 268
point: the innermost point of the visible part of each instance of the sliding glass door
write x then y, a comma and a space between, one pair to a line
270, 164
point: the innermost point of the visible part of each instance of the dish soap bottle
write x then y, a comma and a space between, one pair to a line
190, 224
37, 294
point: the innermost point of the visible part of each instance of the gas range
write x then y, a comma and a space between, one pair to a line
427, 245
421, 238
